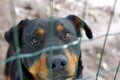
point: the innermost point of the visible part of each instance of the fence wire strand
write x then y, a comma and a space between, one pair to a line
107, 32
15, 35
117, 71
51, 7
51, 48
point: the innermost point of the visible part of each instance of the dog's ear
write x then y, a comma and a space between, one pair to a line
78, 23
9, 35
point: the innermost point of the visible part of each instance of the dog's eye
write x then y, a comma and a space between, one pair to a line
34, 41
67, 35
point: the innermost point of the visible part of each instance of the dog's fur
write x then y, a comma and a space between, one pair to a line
37, 34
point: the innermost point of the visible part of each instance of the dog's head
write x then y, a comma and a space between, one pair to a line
37, 34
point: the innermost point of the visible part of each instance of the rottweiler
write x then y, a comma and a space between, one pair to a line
38, 34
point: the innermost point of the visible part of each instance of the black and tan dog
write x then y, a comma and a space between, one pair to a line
35, 35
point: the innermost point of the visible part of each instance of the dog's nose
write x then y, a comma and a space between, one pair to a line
59, 63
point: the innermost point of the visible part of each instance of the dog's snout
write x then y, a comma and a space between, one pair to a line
59, 63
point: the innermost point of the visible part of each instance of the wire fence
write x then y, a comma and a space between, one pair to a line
96, 75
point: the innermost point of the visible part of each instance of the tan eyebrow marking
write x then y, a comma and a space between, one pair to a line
40, 31
60, 27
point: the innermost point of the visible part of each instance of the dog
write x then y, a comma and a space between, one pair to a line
38, 34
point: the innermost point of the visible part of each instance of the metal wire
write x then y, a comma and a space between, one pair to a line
109, 25
52, 7
15, 34
117, 71
51, 34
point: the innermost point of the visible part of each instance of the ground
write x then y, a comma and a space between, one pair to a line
97, 17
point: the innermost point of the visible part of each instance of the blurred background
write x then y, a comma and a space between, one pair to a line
97, 16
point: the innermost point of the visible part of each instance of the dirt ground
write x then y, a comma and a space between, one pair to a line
97, 17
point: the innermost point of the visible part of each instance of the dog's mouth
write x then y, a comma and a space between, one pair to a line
63, 75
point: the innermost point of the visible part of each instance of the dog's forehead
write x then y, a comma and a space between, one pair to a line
51, 22
46, 24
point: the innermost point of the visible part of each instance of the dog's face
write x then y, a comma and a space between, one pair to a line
37, 34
